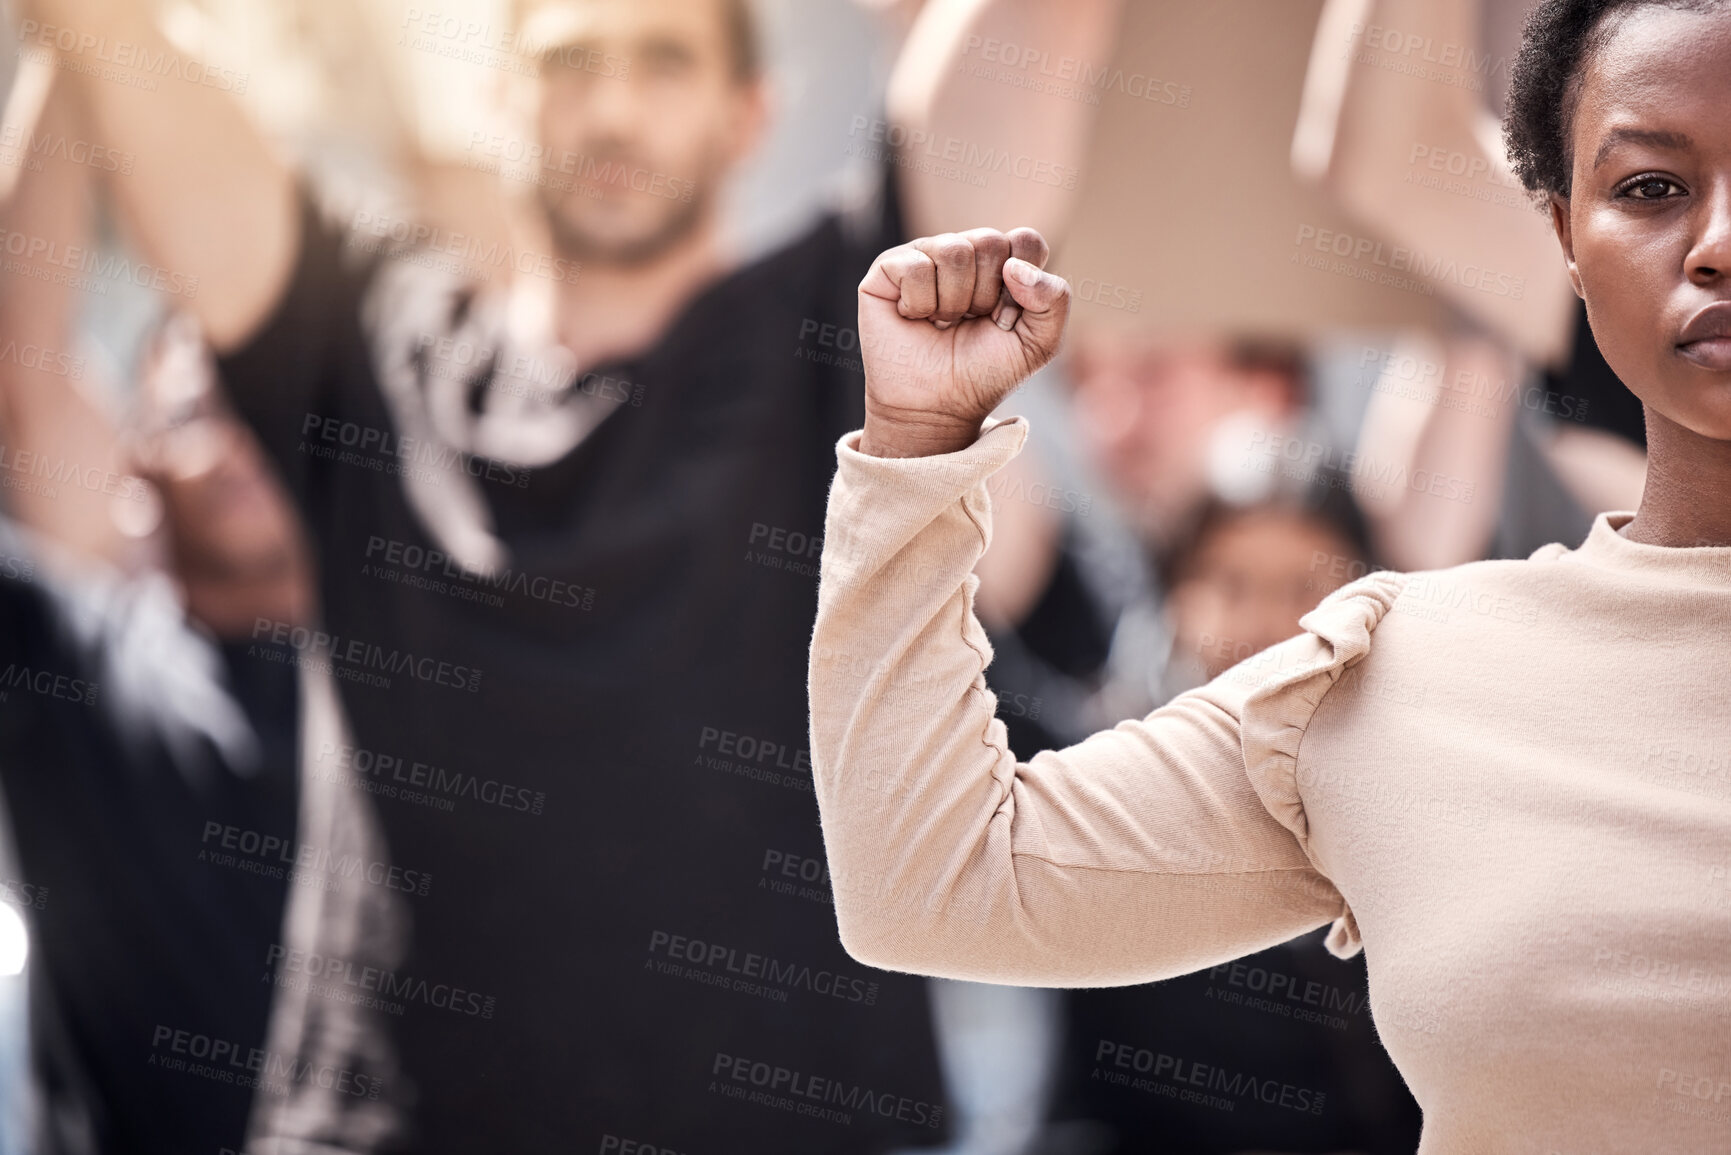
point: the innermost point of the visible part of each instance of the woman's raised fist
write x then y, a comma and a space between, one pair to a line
949, 326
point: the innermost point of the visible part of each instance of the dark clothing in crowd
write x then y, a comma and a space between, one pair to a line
1286, 1031
1044, 668
1538, 508
568, 614
1279, 1048
1588, 390
134, 756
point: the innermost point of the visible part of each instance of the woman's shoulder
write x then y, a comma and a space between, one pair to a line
1405, 620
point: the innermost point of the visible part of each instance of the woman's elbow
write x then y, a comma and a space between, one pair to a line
869, 941
919, 941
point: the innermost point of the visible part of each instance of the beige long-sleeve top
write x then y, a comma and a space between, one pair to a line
1509, 782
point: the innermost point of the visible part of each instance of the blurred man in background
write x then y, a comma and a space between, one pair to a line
1156, 414
565, 535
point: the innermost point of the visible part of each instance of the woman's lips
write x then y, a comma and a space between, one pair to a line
1709, 353
1706, 339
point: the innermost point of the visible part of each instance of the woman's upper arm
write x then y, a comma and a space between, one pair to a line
1155, 848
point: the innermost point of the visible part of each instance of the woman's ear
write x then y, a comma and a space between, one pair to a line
1566, 238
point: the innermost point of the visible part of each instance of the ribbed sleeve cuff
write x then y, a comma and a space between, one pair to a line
878, 505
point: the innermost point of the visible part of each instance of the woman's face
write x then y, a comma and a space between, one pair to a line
1647, 226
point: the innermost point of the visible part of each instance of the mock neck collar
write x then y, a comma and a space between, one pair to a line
1706, 566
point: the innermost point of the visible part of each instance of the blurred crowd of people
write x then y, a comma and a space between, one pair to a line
402, 667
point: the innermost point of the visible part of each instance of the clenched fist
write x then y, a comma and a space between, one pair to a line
949, 325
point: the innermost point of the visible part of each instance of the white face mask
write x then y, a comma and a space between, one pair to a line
1243, 462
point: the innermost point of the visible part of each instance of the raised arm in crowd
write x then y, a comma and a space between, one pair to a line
209, 198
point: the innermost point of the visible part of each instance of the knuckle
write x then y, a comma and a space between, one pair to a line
1028, 240
989, 241
953, 251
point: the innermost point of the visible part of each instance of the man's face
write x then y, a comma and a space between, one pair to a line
642, 117
1647, 225
1149, 411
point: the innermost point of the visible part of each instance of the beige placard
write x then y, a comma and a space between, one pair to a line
1192, 210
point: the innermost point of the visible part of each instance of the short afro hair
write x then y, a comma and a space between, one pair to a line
1559, 38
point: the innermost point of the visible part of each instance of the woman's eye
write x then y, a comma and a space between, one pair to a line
1650, 188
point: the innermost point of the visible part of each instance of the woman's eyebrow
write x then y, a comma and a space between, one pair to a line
1658, 139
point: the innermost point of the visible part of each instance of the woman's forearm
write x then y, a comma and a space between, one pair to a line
1141, 853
